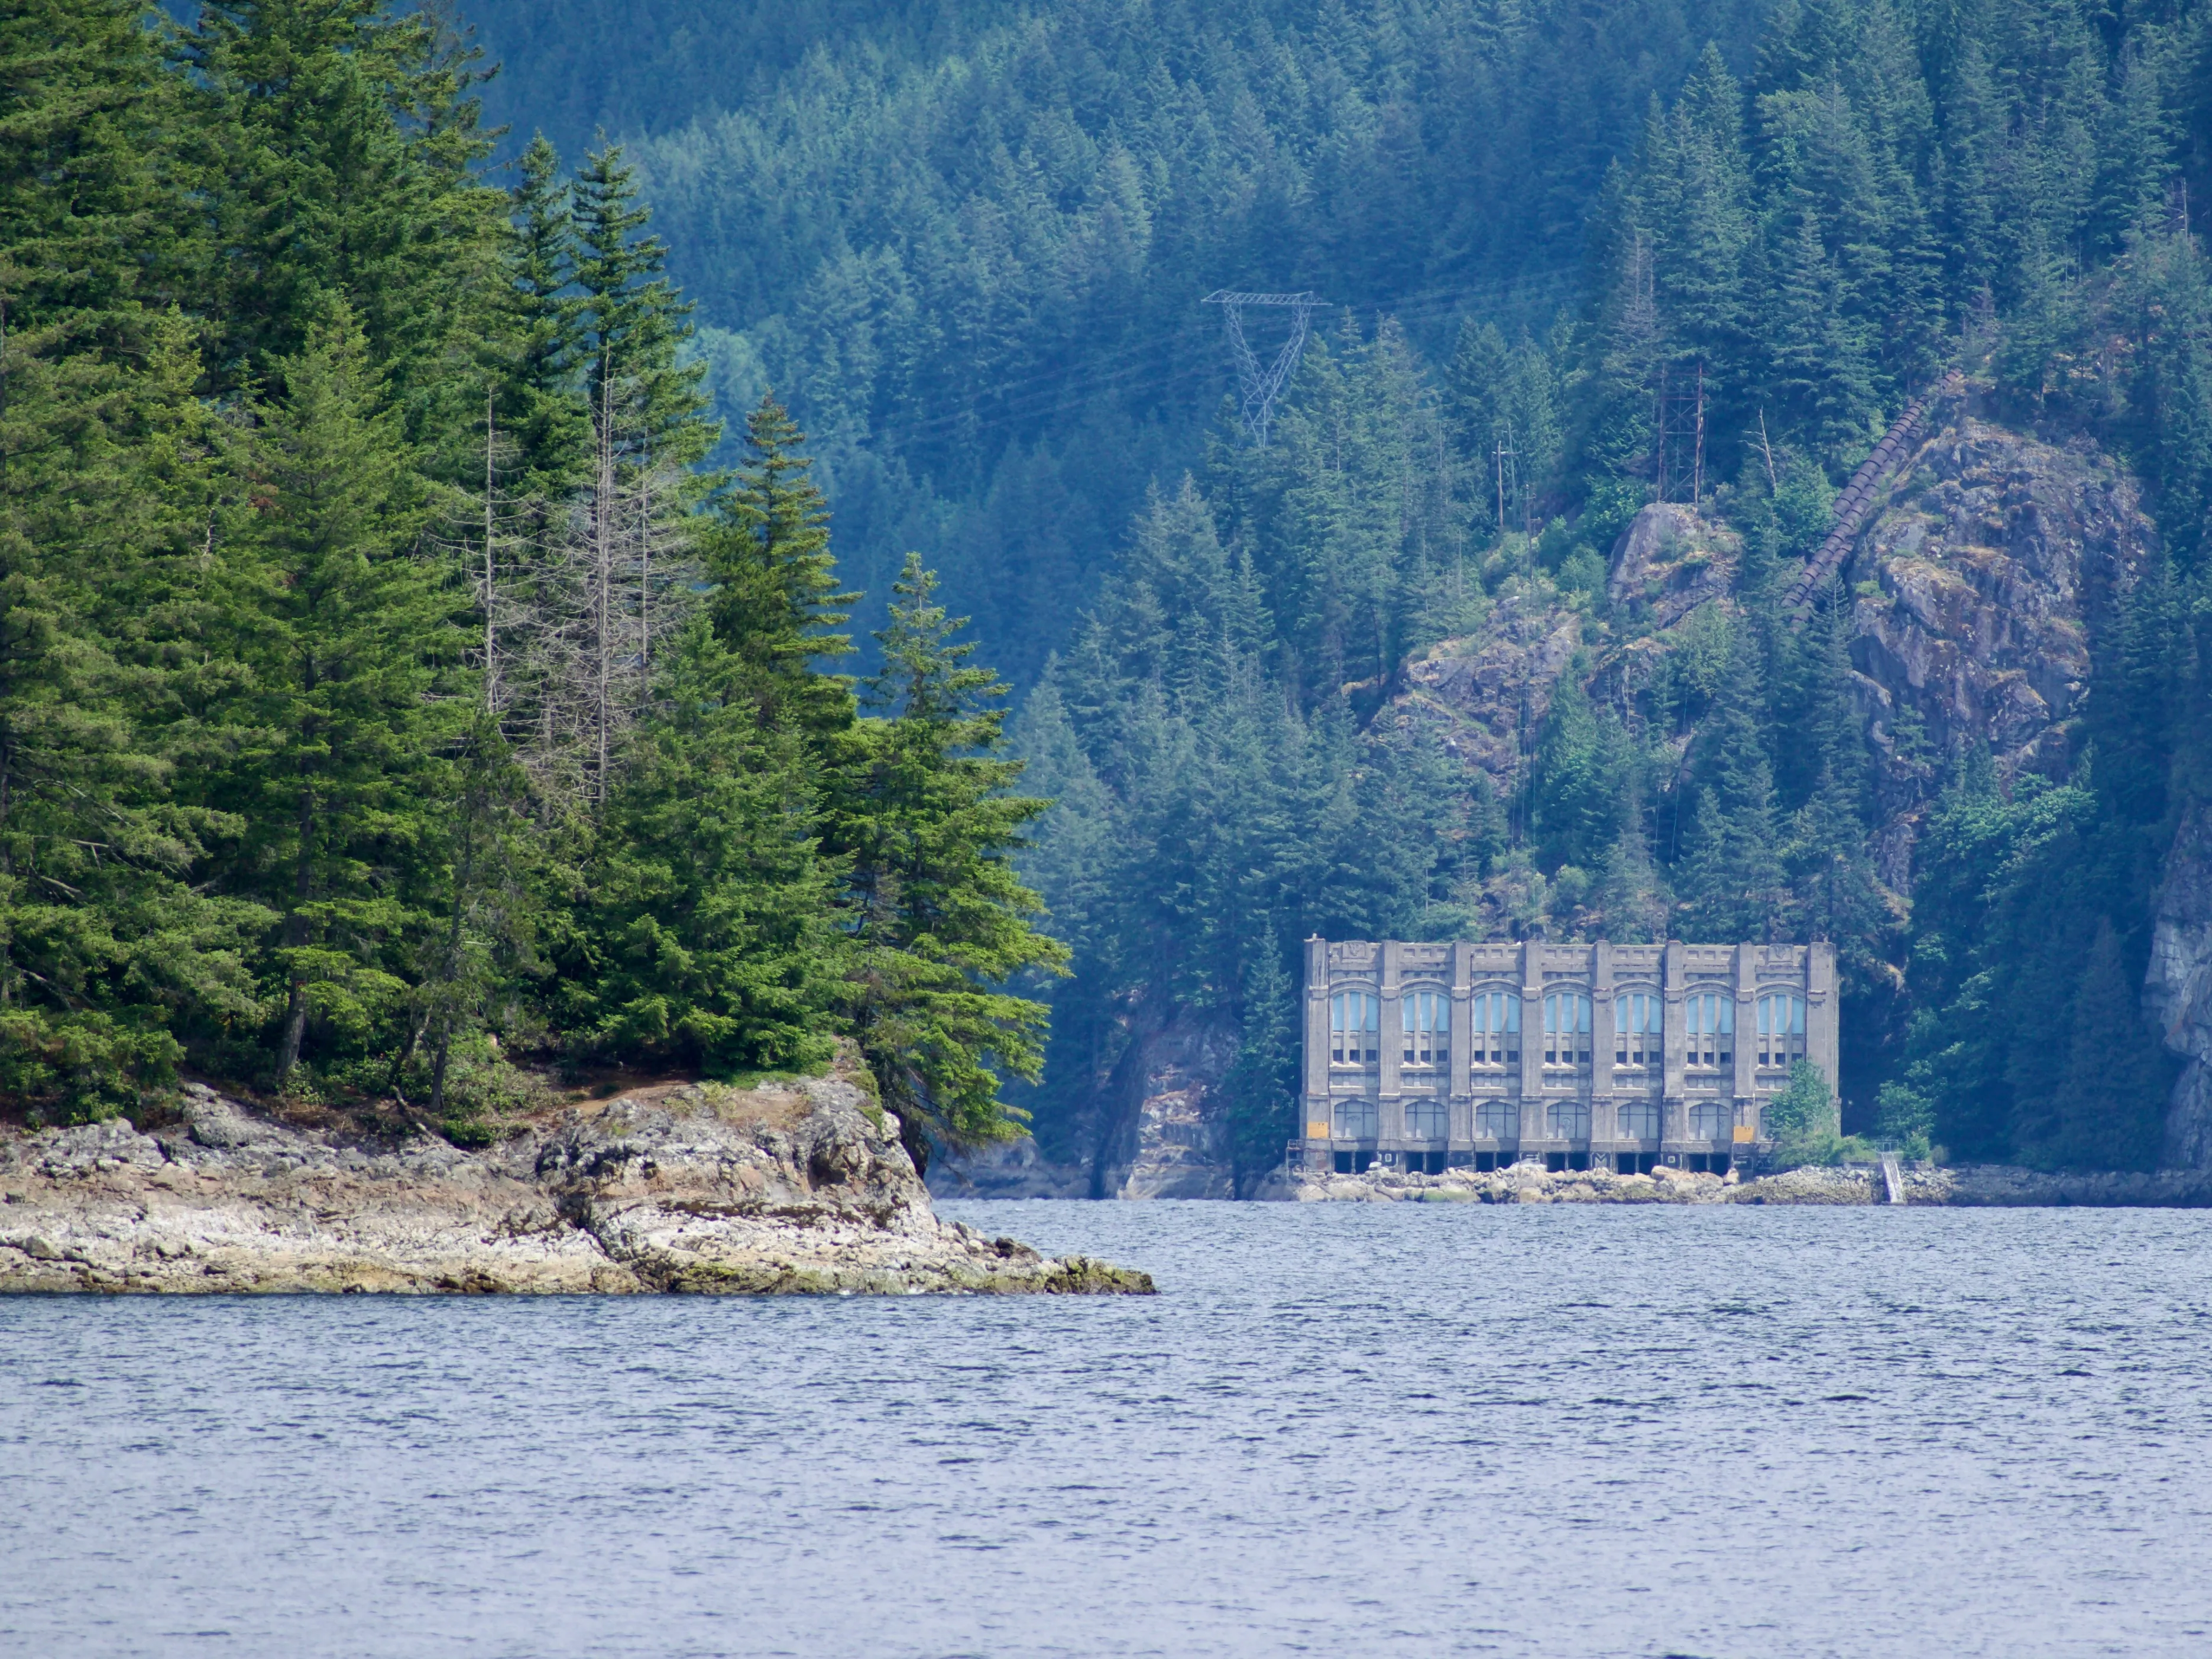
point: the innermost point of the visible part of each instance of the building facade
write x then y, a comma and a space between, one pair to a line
1585, 1056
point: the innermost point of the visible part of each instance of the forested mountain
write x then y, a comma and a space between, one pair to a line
966, 243
405, 668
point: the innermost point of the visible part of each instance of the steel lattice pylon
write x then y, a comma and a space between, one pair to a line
1260, 388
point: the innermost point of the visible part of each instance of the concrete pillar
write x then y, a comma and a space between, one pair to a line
1745, 984
1673, 1120
1460, 1076
1822, 1039
1390, 1118
1601, 1083
1317, 1126
1532, 1041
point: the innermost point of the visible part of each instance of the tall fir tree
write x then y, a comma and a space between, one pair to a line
937, 918
343, 630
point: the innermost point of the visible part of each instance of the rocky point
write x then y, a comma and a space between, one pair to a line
799, 1186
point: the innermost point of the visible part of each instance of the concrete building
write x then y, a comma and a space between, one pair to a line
1607, 1056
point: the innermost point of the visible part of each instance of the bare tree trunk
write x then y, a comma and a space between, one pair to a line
296, 935
492, 590
603, 583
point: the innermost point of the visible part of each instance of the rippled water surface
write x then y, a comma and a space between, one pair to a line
1339, 1431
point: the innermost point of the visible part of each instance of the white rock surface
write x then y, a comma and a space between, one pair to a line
797, 1188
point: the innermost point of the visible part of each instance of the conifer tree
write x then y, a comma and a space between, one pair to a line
545, 412
632, 319
340, 142
342, 629
777, 598
938, 918
2109, 1109
708, 939
1262, 1086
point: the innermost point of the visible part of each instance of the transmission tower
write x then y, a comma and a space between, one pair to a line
1260, 388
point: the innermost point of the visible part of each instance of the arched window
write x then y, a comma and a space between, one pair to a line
1781, 1028
1428, 1027
1710, 1017
1355, 1028
1495, 1017
1566, 1028
1639, 1120
1638, 1025
1711, 1121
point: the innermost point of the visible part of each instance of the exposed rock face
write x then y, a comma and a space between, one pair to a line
1014, 1169
1989, 554
2177, 989
1483, 699
1668, 562
793, 1188
1173, 1143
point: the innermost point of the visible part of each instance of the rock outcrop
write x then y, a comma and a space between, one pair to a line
1173, 1142
2177, 989
1975, 583
802, 1187
1482, 699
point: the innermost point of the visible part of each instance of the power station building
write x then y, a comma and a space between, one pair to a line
1426, 1057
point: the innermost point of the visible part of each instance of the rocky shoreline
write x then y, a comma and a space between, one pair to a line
798, 1187
1970, 1186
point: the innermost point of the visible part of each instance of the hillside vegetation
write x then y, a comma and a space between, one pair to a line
613, 801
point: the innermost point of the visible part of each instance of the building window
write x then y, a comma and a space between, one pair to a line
1566, 1028
1428, 1027
1711, 1121
1639, 1120
1494, 1016
1568, 1120
1496, 1120
1355, 1028
1781, 1028
1427, 1118
1639, 1024
1355, 1120
1710, 1018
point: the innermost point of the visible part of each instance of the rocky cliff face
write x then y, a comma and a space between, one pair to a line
1972, 583
1159, 1128
798, 1187
2178, 990
1975, 581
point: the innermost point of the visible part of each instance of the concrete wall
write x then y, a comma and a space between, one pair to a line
1704, 1109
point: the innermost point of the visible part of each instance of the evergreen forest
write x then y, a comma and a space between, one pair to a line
424, 665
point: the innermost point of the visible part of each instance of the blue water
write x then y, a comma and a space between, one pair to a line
1339, 1431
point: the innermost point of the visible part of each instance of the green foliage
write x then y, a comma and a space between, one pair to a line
1802, 1119
707, 939
937, 918
347, 505
392, 655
